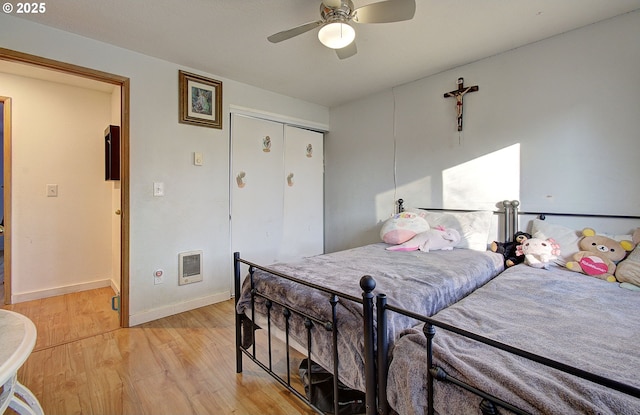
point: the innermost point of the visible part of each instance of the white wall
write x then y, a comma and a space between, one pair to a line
570, 102
194, 213
57, 138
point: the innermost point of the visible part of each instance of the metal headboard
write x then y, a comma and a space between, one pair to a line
510, 212
510, 218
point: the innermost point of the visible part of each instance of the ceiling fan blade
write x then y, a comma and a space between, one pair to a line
347, 51
288, 34
386, 11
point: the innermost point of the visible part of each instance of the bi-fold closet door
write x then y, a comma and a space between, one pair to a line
277, 190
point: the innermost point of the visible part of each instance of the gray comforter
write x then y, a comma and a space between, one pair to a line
566, 316
421, 282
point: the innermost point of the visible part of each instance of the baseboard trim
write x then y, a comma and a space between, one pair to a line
52, 292
171, 309
114, 287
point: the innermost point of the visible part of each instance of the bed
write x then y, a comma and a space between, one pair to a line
525, 341
559, 318
324, 300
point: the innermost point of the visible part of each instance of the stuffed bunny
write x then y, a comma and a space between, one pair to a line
431, 240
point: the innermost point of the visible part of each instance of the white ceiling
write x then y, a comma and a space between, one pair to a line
228, 38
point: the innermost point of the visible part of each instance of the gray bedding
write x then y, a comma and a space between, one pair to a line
418, 281
565, 316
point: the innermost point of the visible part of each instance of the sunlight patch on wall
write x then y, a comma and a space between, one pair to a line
484, 181
481, 183
414, 194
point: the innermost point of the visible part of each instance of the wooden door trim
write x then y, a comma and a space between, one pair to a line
124, 83
7, 197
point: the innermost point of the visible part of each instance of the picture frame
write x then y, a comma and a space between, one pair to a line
200, 100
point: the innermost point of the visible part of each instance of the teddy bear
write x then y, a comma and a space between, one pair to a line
438, 238
598, 255
509, 249
538, 252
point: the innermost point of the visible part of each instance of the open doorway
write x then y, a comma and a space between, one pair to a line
121, 84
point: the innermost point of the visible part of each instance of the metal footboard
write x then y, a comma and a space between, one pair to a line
311, 323
489, 403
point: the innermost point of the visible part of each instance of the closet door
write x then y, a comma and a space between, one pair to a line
303, 231
257, 168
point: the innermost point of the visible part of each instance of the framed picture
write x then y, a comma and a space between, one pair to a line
200, 100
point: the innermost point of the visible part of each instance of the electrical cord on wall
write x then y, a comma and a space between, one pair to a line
395, 155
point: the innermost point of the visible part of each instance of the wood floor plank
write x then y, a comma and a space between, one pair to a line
66, 318
105, 386
65, 384
183, 364
31, 372
138, 357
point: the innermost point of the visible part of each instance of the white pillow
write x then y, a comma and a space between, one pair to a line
474, 227
629, 269
567, 238
402, 226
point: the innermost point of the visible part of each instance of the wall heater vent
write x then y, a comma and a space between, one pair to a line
189, 267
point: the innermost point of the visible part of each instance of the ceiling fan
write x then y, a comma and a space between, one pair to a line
336, 31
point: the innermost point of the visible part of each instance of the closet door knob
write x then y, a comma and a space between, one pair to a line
240, 179
118, 212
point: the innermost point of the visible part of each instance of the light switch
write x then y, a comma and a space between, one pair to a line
52, 190
158, 188
197, 159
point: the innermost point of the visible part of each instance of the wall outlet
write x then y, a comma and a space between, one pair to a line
158, 277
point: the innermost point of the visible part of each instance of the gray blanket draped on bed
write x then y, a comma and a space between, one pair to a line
565, 316
418, 281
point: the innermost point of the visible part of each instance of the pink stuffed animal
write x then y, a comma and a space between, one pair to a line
431, 240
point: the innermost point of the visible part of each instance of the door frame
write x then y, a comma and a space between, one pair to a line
7, 196
124, 84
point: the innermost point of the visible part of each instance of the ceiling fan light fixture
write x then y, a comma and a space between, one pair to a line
336, 35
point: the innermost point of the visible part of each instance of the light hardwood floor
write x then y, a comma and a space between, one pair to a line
183, 364
70, 317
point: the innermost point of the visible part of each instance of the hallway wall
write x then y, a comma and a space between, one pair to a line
60, 244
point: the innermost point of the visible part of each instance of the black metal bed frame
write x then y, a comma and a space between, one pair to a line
376, 309
489, 404
311, 323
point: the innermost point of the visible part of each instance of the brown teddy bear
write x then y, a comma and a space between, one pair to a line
599, 255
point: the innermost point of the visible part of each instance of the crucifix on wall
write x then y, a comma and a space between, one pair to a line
458, 94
